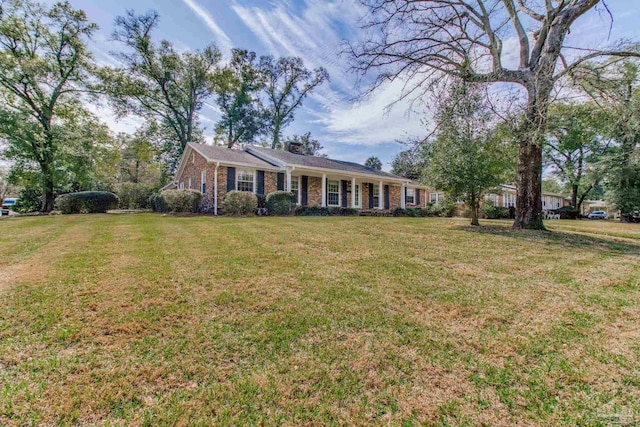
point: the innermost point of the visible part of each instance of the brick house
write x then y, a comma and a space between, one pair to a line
316, 181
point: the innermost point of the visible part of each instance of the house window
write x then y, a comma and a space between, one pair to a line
356, 195
193, 159
189, 183
244, 181
436, 198
376, 196
508, 200
295, 187
410, 196
493, 198
182, 185
333, 193
203, 181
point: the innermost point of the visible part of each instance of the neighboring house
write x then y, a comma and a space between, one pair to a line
316, 181
507, 198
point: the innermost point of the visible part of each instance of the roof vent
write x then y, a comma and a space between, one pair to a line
296, 148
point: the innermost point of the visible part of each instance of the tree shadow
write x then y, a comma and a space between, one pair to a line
562, 239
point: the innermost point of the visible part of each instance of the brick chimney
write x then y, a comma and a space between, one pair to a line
296, 148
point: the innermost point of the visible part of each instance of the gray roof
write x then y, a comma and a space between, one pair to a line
321, 162
227, 155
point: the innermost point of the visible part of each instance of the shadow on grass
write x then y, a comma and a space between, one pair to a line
565, 240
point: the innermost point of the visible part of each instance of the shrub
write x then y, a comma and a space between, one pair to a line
240, 203
280, 202
86, 202
447, 208
157, 203
399, 212
181, 200
134, 195
320, 211
491, 211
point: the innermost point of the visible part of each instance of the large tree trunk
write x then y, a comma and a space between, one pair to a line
475, 207
47, 189
574, 196
529, 185
529, 168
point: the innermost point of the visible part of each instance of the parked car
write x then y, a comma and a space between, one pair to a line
7, 204
598, 215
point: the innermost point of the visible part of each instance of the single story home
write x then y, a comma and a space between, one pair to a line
316, 181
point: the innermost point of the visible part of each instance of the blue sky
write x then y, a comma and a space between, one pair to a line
349, 128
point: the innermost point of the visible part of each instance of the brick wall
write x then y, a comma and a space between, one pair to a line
314, 191
394, 196
193, 169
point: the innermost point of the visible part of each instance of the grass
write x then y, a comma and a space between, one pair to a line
153, 320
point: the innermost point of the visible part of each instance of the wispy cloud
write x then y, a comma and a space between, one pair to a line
224, 42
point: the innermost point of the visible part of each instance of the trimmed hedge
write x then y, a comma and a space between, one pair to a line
280, 202
320, 211
86, 202
181, 200
240, 203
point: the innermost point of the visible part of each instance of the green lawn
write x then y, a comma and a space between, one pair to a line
153, 320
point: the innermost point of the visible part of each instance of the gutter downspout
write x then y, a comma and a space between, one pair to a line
215, 189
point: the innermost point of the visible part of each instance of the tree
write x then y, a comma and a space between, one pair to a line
236, 89
6, 189
575, 146
310, 146
411, 163
159, 83
467, 157
138, 162
551, 185
44, 65
286, 84
421, 42
85, 157
373, 163
615, 87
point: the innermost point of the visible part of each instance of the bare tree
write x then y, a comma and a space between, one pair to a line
422, 41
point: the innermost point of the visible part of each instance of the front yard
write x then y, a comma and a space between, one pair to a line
152, 320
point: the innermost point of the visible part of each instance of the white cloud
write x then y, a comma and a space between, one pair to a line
223, 40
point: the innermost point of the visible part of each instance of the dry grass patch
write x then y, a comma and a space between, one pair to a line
152, 320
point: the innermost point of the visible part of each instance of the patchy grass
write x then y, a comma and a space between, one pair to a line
152, 320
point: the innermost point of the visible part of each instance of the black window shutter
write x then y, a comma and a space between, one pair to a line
418, 196
260, 182
231, 178
386, 197
280, 181
406, 190
305, 190
370, 196
344, 193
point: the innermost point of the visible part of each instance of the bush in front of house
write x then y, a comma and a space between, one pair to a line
280, 202
411, 212
135, 195
491, 211
320, 211
182, 200
157, 203
240, 203
86, 202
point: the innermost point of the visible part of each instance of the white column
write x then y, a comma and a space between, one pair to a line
324, 190
288, 187
353, 193
403, 200
381, 193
